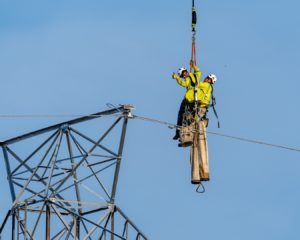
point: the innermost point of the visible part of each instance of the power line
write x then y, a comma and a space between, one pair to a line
31, 116
170, 125
40, 116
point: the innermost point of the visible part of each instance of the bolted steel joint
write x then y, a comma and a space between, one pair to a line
64, 128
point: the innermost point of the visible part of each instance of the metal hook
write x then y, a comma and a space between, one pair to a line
200, 186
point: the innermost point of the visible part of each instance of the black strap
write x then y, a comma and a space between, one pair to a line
194, 18
194, 84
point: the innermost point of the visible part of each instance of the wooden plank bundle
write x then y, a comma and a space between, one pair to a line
199, 154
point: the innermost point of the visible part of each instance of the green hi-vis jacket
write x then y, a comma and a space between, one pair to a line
204, 88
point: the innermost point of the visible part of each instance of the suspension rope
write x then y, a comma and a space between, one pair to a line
194, 22
193, 56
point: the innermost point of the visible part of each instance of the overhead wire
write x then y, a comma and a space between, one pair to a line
109, 105
30, 116
170, 125
153, 120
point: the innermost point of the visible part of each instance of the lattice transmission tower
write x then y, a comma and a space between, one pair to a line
63, 180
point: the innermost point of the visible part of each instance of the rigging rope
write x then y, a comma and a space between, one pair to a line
194, 22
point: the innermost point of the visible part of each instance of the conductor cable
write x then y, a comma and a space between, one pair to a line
243, 139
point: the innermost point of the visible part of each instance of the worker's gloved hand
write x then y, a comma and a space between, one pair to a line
174, 75
192, 63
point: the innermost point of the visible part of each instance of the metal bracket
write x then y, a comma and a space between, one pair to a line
64, 128
128, 110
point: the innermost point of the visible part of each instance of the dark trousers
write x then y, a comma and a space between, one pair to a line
189, 106
184, 104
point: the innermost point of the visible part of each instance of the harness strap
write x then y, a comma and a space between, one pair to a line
194, 84
213, 104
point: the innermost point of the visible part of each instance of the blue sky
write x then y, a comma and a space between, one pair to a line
73, 57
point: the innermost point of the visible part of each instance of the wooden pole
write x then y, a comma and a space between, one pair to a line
203, 152
195, 158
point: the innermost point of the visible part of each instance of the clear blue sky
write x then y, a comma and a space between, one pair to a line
73, 57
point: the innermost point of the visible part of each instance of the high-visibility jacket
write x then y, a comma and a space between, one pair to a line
204, 88
204, 93
189, 83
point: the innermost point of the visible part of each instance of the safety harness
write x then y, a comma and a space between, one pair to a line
213, 99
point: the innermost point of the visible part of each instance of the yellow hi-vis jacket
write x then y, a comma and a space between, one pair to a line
204, 93
204, 88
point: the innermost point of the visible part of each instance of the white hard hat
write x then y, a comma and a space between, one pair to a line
213, 78
181, 70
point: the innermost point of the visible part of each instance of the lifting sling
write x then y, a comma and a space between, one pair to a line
194, 22
193, 55
193, 59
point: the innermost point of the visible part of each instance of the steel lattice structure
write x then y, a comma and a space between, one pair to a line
65, 186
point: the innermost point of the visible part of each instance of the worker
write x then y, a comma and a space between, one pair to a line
190, 81
205, 90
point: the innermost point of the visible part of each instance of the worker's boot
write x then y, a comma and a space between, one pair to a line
177, 136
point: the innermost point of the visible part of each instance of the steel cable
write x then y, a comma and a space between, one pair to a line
170, 125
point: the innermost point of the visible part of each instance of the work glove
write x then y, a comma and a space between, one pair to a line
192, 63
174, 76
